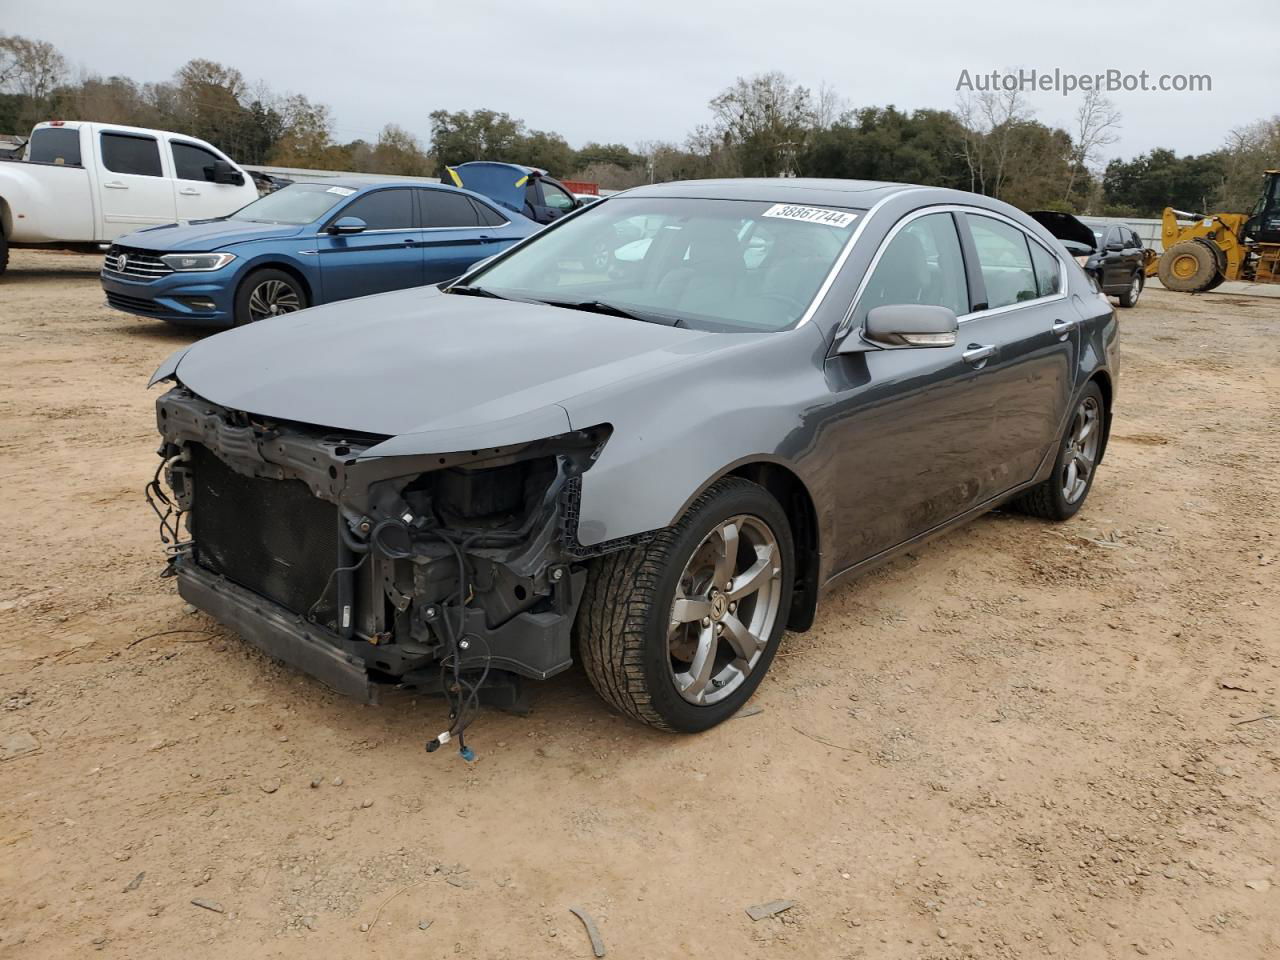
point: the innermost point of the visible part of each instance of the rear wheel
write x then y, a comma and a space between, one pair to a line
4, 253
1130, 297
679, 633
268, 293
1061, 496
1188, 267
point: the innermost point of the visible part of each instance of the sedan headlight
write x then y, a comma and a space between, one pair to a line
201, 262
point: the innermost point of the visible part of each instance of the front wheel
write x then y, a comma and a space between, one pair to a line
4, 252
268, 293
679, 633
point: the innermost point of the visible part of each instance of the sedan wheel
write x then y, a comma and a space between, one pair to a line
725, 608
1062, 494
679, 633
1082, 449
272, 298
268, 293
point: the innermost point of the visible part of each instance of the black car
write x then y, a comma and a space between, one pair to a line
1118, 262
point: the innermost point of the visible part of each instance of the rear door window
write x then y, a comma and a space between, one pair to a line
1005, 261
489, 217
383, 209
921, 264
1048, 271
446, 208
131, 154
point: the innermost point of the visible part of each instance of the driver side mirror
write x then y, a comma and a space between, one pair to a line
905, 325
224, 172
348, 225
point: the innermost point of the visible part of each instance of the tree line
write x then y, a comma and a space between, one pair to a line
763, 125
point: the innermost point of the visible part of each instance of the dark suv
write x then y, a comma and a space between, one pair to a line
1118, 262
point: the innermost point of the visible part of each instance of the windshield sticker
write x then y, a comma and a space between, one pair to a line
341, 191
830, 218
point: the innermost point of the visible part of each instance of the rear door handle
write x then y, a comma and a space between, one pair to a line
189, 192
114, 185
978, 353
1063, 327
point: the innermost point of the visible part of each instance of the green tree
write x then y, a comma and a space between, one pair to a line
546, 151
398, 152
457, 137
614, 154
1151, 181
764, 120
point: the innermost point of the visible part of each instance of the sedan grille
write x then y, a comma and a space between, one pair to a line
270, 536
134, 264
136, 304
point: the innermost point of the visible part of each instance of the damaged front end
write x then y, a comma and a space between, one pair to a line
435, 571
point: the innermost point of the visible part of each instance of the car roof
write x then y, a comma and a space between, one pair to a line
839, 193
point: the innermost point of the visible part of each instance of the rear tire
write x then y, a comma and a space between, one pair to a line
1130, 297
1063, 493
267, 293
4, 253
1188, 267
653, 614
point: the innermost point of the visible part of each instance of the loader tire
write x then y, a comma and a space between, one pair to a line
1188, 267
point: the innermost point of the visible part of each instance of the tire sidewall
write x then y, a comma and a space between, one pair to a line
678, 713
245, 290
1063, 508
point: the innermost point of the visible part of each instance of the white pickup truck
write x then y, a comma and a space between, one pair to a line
84, 184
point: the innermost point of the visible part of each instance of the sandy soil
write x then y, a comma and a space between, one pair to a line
1022, 740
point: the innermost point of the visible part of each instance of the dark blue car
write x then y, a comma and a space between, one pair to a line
308, 243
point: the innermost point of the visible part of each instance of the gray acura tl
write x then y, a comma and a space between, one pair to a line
652, 433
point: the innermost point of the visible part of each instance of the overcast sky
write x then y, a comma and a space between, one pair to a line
644, 70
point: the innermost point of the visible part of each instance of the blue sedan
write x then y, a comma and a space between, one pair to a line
308, 243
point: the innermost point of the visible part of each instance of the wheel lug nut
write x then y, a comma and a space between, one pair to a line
706, 621
719, 628
733, 606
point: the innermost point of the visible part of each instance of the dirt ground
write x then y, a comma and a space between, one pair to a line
1021, 740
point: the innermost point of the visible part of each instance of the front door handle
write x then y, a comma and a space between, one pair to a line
189, 192
1063, 327
114, 185
979, 353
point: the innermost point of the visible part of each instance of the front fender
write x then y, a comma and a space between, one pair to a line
675, 432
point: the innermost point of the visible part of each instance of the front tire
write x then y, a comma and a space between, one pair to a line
679, 633
268, 293
4, 253
1188, 267
1061, 496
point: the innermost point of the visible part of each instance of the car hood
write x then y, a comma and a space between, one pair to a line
206, 235
1072, 232
440, 372
501, 182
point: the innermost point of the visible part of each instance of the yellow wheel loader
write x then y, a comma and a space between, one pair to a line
1221, 246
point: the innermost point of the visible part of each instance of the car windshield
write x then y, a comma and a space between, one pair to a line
726, 265
295, 204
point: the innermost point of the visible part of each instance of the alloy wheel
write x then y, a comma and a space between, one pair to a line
1083, 439
726, 605
272, 298
1135, 288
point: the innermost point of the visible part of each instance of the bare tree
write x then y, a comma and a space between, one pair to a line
828, 107
32, 69
1096, 123
990, 120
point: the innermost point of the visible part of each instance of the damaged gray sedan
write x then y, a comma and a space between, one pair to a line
648, 436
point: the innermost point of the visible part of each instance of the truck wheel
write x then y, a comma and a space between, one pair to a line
1061, 496
4, 253
679, 633
1188, 267
1130, 297
268, 293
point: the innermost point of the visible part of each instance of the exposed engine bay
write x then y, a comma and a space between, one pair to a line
445, 573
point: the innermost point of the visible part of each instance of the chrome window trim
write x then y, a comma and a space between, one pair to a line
845, 324
836, 267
